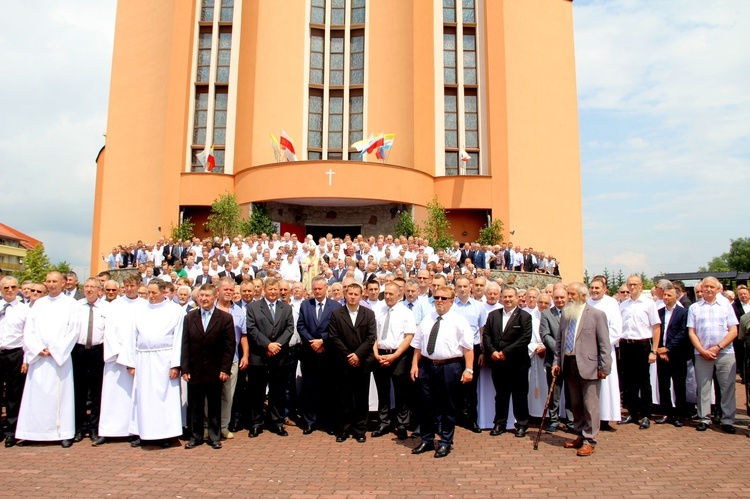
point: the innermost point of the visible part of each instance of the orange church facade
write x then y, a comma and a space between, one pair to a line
489, 81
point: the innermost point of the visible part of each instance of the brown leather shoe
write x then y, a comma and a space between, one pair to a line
585, 451
574, 444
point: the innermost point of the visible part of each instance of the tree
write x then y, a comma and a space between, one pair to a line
64, 267
184, 231
492, 234
717, 264
739, 254
258, 222
405, 225
436, 226
224, 219
37, 265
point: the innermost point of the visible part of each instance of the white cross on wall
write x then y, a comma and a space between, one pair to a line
330, 174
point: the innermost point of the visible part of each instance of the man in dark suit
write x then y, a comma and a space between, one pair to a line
171, 252
204, 277
315, 357
673, 351
208, 345
583, 357
506, 337
270, 326
741, 306
549, 331
71, 286
353, 331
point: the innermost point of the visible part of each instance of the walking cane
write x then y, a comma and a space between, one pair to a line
546, 408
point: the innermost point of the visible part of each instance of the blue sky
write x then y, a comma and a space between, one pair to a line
664, 106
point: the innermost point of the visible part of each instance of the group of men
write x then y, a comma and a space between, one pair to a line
224, 356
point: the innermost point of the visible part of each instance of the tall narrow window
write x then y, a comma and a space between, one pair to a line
336, 70
338, 12
318, 12
357, 58
470, 57
469, 12
449, 56
204, 54
225, 52
449, 11
207, 10
335, 124
315, 124
201, 115
220, 116
227, 10
317, 47
451, 119
356, 110
358, 12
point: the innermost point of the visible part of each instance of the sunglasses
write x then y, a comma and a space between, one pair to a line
441, 298
6, 288
36, 291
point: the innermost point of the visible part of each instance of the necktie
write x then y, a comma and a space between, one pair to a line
433, 336
90, 333
206, 319
2, 312
570, 336
387, 324
273, 313
320, 312
411, 306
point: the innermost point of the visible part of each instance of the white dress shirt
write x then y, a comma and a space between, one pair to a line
400, 323
80, 320
454, 337
11, 325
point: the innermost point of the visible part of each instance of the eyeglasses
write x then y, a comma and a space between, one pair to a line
36, 291
110, 289
624, 292
440, 298
6, 288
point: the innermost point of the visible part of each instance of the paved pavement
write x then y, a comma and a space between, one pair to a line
663, 461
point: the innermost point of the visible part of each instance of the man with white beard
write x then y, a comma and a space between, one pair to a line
609, 395
117, 387
537, 395
47, 410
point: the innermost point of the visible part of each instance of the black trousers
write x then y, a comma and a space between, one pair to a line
11, 383
441, 395
291, 407
470, 390
275, 379
636, 378
353, 394
673, 370
316, 399
511, 382
398, 375
88, 373
200, 396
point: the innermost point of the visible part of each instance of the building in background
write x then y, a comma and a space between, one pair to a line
13, 247
480, 94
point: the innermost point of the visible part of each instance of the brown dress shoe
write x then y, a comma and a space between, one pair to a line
574, 444
585, 451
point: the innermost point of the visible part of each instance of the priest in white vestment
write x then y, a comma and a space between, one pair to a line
117, 387
47, 409
609, 395
537, 395
154, 358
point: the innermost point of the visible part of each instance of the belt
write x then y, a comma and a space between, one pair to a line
10, 350
445, 361
386, 351
644, 340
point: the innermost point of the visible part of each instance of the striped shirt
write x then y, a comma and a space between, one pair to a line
711, 322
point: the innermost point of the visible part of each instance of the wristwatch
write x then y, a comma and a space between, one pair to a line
470, 371
653, 352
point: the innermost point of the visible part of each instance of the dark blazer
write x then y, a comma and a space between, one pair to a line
737, 307
685, 300
678, 341
202, 279
262, 330
356, 338
207, 353
513, 342
548, 330
592, 344
308, 326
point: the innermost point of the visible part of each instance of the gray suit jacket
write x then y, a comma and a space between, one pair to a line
592, 348
548, 328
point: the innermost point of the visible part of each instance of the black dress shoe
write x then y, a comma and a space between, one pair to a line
678, 423
340, 438
423, 447
520, 432
645, 424
401, 434
383, 430
662, 420
627, 419
308, 430
192, 444
165, 444
360, 439
78, 436
280, 431
66, 443
136, 442
727, 428
216, 445
474, 428
497, 430
702, 426
254, 432
96, 442
442, 451
10, 441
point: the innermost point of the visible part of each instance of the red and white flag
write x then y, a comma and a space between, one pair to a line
206, 158
287, 147
465, 156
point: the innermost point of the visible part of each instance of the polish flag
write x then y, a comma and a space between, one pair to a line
206, 158
465, 156
287, 146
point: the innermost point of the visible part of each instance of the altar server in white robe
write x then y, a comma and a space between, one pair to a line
117, 387
537, 376
47, 409
609, 395
154, 360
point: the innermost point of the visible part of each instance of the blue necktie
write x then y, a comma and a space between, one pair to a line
273, 314
570, 336
206, 319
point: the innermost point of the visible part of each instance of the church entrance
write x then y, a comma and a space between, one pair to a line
318, 231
